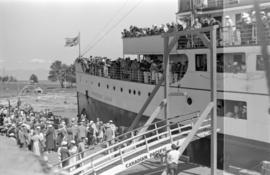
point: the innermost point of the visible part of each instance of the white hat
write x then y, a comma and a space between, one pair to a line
110, 121
73, 142
64, 143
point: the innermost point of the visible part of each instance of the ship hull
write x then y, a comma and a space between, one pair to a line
97, 109
232, 151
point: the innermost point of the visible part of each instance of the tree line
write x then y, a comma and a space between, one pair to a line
62, 73
7, 79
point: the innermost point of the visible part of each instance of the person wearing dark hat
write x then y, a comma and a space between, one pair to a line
172, 160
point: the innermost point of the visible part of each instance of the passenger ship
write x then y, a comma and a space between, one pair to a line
243, 99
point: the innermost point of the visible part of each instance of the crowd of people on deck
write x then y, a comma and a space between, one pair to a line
148, 70
242, 31
135, 31
43, 133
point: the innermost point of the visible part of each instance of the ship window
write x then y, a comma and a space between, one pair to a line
121, 89
98, 84
129, 91
114, 88
139, 93
201, 62
107, 86
259, 63
231, 63
149, 93
189, 100
134, 92
232, 108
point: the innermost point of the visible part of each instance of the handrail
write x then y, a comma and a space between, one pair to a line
121, 143
130, 132
102, 164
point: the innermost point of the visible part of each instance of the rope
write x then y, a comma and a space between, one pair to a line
111, 29
107, 24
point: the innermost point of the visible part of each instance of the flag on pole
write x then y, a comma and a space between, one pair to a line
70, 42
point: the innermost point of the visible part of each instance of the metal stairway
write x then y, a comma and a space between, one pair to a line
138, 148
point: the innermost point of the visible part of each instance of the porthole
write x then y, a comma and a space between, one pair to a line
114, 88
121, 89
129, 91
134, 92
189, 100
149, 93
98, 84
139, 93
107, 86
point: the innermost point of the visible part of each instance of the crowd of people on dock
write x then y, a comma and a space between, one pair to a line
42, 132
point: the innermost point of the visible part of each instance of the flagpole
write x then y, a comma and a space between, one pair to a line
79, 44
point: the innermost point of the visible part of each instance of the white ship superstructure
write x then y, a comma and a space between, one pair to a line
243, 99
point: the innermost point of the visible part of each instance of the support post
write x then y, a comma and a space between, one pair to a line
147, 102
79, 44
166, 77
213, 61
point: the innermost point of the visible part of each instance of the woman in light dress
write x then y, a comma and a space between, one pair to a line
37, 139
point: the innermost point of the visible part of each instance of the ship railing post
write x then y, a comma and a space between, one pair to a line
156, 128
132, 136
121, 155
170, 134
179, 128
146, 144
92, 165
108, 145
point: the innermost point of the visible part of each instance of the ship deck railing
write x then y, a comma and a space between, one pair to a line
244, 34
231, 36
135, 75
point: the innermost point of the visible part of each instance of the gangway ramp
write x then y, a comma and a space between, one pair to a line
132, 151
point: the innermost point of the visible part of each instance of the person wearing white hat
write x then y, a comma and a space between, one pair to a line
113, 127
74, 129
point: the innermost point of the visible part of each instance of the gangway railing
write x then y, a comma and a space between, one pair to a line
130, 152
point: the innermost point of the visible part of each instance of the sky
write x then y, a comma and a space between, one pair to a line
33, 32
